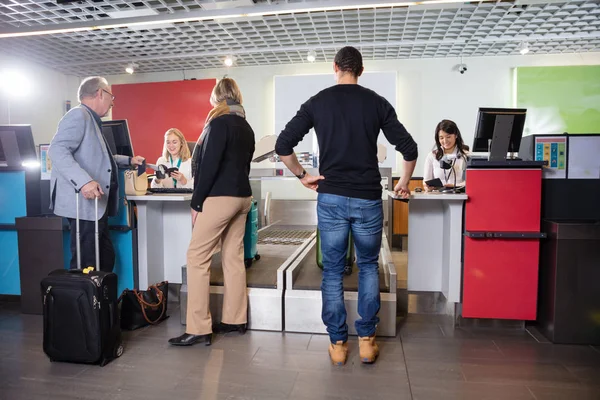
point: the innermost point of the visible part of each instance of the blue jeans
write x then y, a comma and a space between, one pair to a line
337, 216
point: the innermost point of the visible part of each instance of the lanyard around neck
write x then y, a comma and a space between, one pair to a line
178, 165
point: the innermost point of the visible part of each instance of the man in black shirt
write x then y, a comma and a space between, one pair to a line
347, 119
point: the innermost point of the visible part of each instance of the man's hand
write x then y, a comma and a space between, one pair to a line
311, 182
137, 160
91, 190
401, 188
194, 216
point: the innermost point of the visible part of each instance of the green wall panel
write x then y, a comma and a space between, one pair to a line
560, 99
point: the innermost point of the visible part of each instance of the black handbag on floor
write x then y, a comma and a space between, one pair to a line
141, 308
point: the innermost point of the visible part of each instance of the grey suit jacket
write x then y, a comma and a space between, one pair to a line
79, 155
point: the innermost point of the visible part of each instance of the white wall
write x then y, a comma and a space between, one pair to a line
429, 90
44, 106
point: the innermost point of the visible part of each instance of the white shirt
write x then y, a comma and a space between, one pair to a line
185, 168
433, 170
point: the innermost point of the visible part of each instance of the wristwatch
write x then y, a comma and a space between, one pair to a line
302, 175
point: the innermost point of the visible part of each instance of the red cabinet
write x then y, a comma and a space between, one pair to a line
501, 250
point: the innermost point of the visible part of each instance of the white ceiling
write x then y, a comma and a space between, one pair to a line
284, 31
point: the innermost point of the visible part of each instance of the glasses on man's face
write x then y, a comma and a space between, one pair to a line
112, 96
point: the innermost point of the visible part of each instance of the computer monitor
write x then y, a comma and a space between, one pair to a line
499, 131
16, 145
117, 135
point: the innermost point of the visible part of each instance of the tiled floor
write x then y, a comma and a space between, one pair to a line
427, 360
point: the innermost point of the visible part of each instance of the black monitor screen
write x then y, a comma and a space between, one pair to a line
117, 135
19, 139
486, 123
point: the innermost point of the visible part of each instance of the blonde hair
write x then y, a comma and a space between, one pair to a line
225, 89
184, 151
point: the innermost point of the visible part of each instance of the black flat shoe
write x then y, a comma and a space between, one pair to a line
226, 328
187, 340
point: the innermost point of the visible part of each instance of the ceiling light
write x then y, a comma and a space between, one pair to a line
311, 56
148, 21
228, 61
523, 48
32, 164
130, 68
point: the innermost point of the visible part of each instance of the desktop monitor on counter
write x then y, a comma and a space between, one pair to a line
17, 148
117, 135
499, 131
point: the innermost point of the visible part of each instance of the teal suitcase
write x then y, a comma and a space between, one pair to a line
349, 253
251, 236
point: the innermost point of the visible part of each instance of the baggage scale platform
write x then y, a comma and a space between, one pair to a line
284, 286
303, 294
278, 246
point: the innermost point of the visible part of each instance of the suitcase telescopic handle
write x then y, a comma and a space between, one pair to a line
96, 233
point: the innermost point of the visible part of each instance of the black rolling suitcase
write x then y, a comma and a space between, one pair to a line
81, 315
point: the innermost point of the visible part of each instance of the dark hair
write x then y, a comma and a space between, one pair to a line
450, 128
349, 59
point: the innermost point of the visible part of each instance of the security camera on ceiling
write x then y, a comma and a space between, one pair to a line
462, 68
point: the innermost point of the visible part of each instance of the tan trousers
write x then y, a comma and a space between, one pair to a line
223, 219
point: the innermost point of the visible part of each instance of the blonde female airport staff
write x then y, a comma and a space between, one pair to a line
449, 144
176, 153
220, 204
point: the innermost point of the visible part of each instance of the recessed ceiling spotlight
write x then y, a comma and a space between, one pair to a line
130, 68
523, 48
311, 56
228, 61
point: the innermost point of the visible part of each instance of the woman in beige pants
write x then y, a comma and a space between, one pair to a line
220, 204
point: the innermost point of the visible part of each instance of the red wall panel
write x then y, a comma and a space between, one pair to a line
152, 108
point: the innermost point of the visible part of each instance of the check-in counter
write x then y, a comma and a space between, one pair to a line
164, 234
435, 223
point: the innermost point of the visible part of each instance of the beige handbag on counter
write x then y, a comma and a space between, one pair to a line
135, 185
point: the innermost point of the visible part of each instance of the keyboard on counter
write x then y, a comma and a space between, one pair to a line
172, 190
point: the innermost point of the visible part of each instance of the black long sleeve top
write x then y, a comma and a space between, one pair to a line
224, 158
347, 120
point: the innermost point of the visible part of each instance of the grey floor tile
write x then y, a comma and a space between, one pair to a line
559, 354
451, 349
552, 393
68, 389
252, 382
21, 323
518, 373
518, 335
586, 375
434, 370
456, 390
459, 363
420, 330
252, 340
312, 385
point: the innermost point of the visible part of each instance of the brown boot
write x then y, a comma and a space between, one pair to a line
338, 352
368, 349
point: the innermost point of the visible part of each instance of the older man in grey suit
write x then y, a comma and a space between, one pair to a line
82, 161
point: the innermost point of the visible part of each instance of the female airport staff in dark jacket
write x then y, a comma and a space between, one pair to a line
221, 201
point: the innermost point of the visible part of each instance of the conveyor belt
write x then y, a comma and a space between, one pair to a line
263, 273
310, 275
285, 234
276, 244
